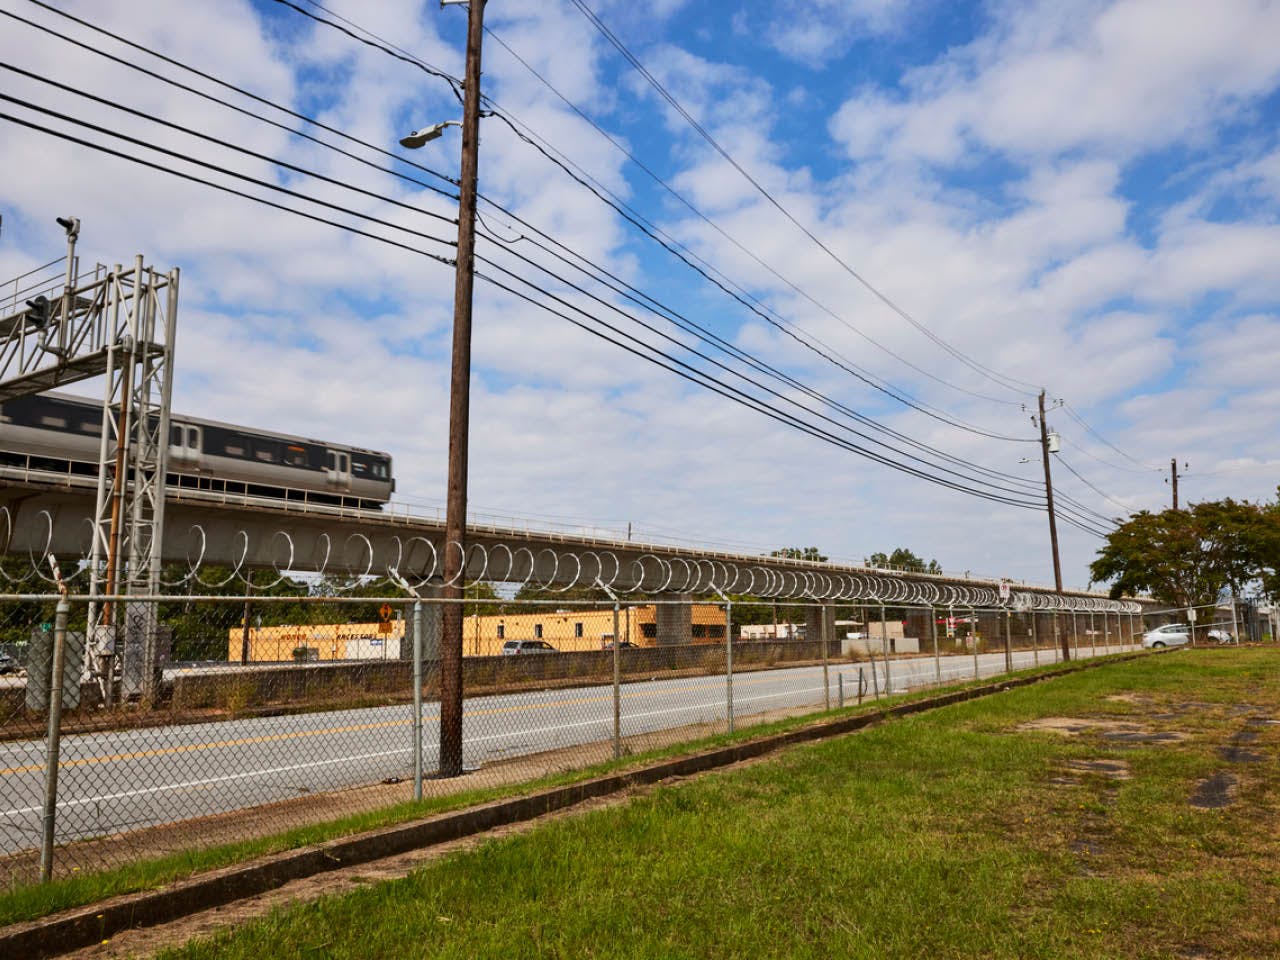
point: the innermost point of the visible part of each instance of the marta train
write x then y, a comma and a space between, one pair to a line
62, 433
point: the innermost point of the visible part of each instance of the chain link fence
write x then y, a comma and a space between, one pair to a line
229, 718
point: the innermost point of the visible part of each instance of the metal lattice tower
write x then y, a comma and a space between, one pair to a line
120, 325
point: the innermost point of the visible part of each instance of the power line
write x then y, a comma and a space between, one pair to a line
386, 240
656, 307
1106, 496
607, 196
1080, 420
852, 368
1007, 382
637, 348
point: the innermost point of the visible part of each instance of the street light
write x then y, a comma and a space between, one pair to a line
420, 138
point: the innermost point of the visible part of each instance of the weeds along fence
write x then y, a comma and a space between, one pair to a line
206, 720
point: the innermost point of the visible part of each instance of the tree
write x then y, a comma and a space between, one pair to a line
904, 559
801, 553
1187, 558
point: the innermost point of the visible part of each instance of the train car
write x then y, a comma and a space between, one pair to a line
62, 433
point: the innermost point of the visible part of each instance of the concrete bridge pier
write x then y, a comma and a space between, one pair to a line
820, 622
675, 620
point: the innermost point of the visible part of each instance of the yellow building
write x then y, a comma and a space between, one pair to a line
483, 636
318, 641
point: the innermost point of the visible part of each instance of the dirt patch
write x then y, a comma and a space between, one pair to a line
1110, 769
1074, 726
1135, 698
1134, 737
1216, 792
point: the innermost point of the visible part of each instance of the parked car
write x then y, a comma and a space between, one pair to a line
8, 664
1178, 634
624, 645
514, 647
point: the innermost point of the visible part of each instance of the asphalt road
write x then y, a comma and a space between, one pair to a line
126, 780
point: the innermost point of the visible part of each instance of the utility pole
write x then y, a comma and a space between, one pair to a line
1053, 521
459, 411
1173, 472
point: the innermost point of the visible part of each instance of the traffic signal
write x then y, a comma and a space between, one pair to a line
40, 312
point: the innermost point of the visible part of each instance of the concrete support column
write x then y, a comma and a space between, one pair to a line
820, 622
918, 628
675, 620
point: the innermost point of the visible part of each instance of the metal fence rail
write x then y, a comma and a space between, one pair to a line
271, 712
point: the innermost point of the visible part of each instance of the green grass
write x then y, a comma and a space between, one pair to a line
937, 835
29, 902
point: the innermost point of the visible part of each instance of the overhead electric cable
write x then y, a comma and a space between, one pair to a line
607, 196
781, 324
1005, 381
661, 359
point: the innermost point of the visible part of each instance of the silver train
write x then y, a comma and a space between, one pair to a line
62, 433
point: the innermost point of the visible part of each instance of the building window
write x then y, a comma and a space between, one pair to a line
537, 630
502, 631
715, 630
699, 630
577, 629
649, 630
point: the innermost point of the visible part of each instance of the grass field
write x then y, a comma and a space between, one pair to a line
30, 901
957, 833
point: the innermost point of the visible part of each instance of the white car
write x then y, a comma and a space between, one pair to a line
1178, 634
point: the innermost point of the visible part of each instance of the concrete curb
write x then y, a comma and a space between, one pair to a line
84, 926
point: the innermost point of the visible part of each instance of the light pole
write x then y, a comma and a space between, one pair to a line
455, 524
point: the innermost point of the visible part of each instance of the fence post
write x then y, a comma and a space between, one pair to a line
728, 660
1235, 623
875, 679
840, 682
54, 735
862, 685
973, 635
884, 651
617, 684
1106, 634
1008, 641
417, 699
1035, 637
826, 676
937, 660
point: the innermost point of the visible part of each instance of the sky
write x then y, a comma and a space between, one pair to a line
917, 212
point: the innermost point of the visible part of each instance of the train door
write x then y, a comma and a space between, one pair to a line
337, 468
184, 443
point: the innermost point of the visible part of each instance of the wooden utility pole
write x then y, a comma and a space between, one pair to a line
455, 551
1053, 522
1173, 471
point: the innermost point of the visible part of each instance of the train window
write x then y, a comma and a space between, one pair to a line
193, 438
265, 452
93, 427
295, 456
175, 435
330, 460
50, 421
380, 470
235, 447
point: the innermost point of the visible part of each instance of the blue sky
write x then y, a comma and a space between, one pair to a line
1081, 196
